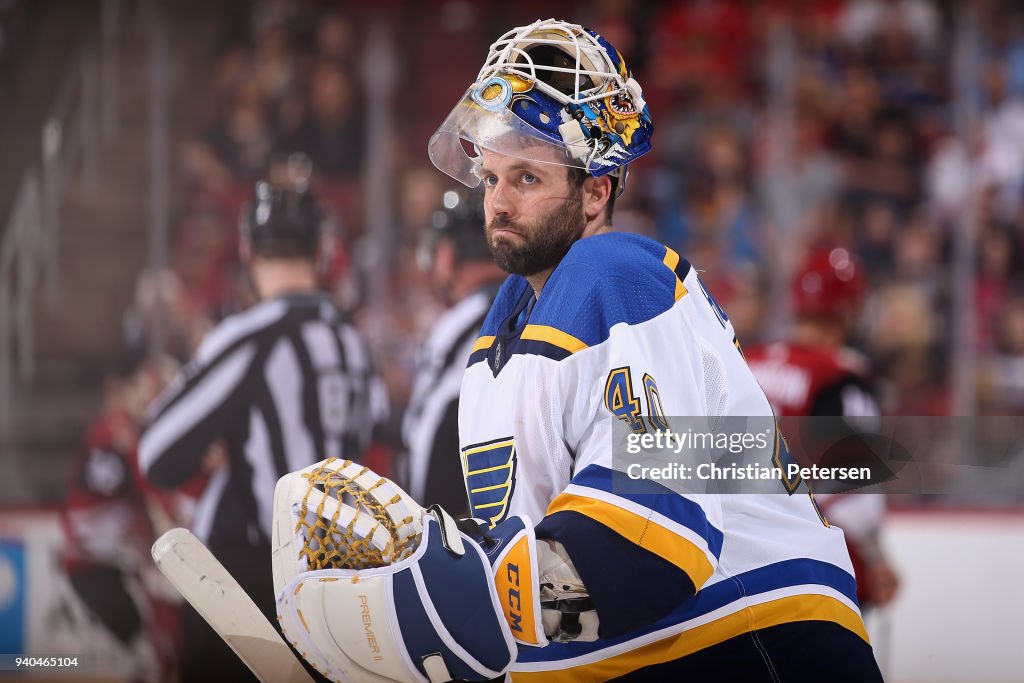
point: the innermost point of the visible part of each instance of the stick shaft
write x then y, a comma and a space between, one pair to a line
213, 592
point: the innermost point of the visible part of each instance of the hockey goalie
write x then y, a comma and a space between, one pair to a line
563, 575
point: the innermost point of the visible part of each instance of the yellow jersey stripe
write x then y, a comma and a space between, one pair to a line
482, 489
553, 336
671, 260
506, 466
772, 613
483, 343
640, 530
489, 447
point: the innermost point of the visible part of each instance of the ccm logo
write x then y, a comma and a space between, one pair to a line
371, 638
515, 602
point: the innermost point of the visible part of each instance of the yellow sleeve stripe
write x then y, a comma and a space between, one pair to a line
772, 613
643, 531
680, 289
672, 260
553, 336
483, 343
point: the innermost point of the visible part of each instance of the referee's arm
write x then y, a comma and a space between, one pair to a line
192, 413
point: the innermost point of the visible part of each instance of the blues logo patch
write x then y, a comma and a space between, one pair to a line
490, 472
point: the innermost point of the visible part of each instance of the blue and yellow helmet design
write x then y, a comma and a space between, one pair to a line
552, 92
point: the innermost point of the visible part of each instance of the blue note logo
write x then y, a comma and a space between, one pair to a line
490, 472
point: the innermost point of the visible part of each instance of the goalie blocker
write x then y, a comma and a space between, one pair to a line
373, 587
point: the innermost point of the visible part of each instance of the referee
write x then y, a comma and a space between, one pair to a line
280, 386
463, 269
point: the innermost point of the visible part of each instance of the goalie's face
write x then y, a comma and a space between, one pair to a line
534, 212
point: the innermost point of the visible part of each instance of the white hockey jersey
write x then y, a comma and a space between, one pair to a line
623, 323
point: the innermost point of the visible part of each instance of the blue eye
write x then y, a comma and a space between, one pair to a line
529, 179
490, 181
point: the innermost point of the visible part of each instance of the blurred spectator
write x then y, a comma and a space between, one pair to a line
634, 211
949, 179
1003, 373
163, 307
331, 131
865, 22
12, 18
618, 21
1002, 156
235, 148
814, 176
715, 200
111, 517
274, 66
858, 93
914, 383
999, 257
335, 38
1005, 29
900, 318
204, 260
698, 47
879, 227
887, 165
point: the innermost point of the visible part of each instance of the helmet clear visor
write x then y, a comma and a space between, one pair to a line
476, 124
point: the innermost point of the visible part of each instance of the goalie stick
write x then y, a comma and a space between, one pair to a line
213, 592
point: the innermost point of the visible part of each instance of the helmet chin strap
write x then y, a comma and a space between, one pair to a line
621, 176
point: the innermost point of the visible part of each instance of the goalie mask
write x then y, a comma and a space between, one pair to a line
551, 92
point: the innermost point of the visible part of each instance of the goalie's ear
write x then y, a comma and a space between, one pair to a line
431, 617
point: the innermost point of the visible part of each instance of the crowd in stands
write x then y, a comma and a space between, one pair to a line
780, 127
12, 20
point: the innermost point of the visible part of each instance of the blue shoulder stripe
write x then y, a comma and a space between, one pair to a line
512, 289
603, 280
609, 279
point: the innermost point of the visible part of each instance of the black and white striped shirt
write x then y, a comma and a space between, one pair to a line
430, 426
284, 385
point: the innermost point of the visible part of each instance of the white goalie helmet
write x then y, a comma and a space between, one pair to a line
552, 92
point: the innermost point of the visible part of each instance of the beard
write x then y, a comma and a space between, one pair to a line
543, 244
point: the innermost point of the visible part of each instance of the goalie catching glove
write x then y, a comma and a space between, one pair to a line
372, 587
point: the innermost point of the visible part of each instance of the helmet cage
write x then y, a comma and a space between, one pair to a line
599, 125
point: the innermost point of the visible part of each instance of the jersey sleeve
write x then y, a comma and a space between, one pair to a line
641, 549
639, 555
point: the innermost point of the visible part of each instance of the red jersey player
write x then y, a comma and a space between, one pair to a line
816, 374
108, 517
